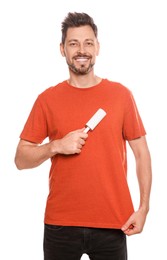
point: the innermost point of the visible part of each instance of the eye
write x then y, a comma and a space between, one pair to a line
73, 44
89, 44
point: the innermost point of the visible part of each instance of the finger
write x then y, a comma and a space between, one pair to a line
83, 135
78, 151
80, 133
79, 146
78, 130
131, 231
127, 225
82, 142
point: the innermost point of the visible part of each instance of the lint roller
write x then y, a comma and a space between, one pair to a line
95, 120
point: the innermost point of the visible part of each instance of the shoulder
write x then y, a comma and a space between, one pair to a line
52, 92
117, 88
115, 85
53, 89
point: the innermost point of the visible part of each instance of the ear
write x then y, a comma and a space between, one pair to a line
62, 49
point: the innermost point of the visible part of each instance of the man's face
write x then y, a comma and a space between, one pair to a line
80, 49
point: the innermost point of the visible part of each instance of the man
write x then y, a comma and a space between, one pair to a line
89, 207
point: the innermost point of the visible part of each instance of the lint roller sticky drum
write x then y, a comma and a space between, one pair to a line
95, 120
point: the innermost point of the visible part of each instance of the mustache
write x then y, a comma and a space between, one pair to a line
82, 55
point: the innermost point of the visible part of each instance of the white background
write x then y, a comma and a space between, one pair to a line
133, 51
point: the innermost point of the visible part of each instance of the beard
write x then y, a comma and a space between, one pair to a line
82, 69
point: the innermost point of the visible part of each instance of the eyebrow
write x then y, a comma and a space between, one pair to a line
75, 40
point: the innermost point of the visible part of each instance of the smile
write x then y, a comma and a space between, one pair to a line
80, 59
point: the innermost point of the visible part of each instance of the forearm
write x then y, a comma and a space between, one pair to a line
136, 221
30, 155
144, 174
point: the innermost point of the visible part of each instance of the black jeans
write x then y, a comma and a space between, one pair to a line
70, 243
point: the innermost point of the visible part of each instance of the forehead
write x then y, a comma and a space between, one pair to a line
80, 33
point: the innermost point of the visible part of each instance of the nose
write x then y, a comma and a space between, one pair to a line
81, 48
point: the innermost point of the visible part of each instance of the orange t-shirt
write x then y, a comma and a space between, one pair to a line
87, 189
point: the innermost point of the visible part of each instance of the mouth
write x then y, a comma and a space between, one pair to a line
82, 58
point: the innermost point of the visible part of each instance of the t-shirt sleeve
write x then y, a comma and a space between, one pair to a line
132, 126
35, 128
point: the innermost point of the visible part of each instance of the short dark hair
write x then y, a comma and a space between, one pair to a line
76, 20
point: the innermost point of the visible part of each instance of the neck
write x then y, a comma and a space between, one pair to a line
83, 81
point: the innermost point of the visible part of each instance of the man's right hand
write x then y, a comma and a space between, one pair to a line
71, 143
30, 155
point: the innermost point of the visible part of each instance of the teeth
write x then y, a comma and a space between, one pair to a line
81, 59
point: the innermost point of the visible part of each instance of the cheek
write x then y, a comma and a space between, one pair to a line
97, 51
68, 54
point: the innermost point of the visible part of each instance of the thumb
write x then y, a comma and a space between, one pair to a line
127, 225
78, 130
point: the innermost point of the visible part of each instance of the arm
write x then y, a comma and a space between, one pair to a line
141, 152
30, 155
